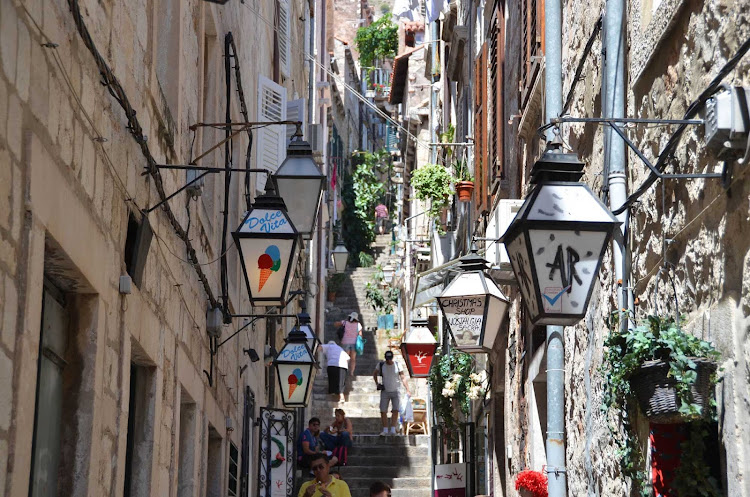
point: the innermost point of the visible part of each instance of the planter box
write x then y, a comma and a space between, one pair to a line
657, 395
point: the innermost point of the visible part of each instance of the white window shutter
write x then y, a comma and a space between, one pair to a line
270, 140
285, 40
295, 111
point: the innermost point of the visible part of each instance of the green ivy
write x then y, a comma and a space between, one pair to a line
335, 281
382, 300
379, 40
433, 183
454, 370
362, 190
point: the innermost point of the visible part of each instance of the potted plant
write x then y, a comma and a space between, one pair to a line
334, 283
672, 375
670, 372
433, 183
382, 301
531, 483
464, 181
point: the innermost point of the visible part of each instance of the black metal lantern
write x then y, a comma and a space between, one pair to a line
296, 370
340, 256
300, 183
418, 349
268, 244
557, 241
473, 305
304, 325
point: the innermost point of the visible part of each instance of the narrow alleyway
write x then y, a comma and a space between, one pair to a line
401, 462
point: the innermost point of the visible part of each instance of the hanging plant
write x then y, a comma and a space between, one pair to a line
433, 183
661, 342
379, 40
454, 383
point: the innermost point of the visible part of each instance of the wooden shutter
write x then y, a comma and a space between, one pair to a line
271, 140
481, 171
284, 34
532, 46
295, 111
497, 62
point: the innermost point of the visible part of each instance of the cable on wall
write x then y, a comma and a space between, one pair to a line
134, 127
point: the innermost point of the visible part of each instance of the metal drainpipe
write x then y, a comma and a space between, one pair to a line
614, 146
555, 445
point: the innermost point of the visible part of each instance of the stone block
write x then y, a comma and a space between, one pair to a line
65, 132
6, 181
3, 107
17, 211
3, 461
53, 111
39, 84
6, 389
14, 133
10, 313
23, 62
8, 39
111, 369
8, 255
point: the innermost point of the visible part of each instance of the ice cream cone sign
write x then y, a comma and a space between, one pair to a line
268, 263
294, 380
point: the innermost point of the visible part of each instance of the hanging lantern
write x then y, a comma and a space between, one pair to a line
340, 256
304, 325
418, 349
296, 370
300, 183
557, 241
473, 305
268, 245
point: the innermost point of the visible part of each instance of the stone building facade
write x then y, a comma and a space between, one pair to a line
124, 375
674, 49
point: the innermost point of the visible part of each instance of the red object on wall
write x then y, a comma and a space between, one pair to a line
418, 357
665, 456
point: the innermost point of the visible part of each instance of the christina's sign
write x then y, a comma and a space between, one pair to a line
465, 317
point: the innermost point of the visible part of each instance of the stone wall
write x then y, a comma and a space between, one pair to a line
70, 176
675, 48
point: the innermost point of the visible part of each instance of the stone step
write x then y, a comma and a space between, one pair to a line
404, 469
359, 458
360, 483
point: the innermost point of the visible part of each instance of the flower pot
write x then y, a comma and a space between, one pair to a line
331, 296
464, 189
657, 395
525, 493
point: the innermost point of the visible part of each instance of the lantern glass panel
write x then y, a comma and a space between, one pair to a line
302, 199
293, 381
311, 339
566, 263
267, 243
340, 257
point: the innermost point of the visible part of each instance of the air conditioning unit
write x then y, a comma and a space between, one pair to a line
316, 137
499, 221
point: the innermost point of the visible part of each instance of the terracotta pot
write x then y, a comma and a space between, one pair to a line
464, 189
525, 493
331, 296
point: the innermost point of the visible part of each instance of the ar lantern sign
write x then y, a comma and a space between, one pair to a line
557, 241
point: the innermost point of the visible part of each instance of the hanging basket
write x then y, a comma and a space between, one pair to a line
657, 395
464, 189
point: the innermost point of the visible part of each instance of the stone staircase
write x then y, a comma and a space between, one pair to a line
402, 462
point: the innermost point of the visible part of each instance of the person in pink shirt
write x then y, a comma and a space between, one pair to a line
352, 329
381, 214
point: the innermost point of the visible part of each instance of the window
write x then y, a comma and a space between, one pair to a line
295, 111
187, 441
532, 45
139, 445
271, 143
46, 445
214, 475
233, 470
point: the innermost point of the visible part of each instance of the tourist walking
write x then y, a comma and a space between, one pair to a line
352, 329
391, 373
381, 214
338, 367
323, 483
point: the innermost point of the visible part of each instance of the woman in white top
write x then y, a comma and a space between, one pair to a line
338, 367
352, 329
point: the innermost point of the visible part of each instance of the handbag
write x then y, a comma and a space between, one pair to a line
340, 332
360, 345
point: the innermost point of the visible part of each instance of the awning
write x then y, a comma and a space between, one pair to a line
430, 283
399, 75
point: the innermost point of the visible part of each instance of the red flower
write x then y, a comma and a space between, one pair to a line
533, 481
